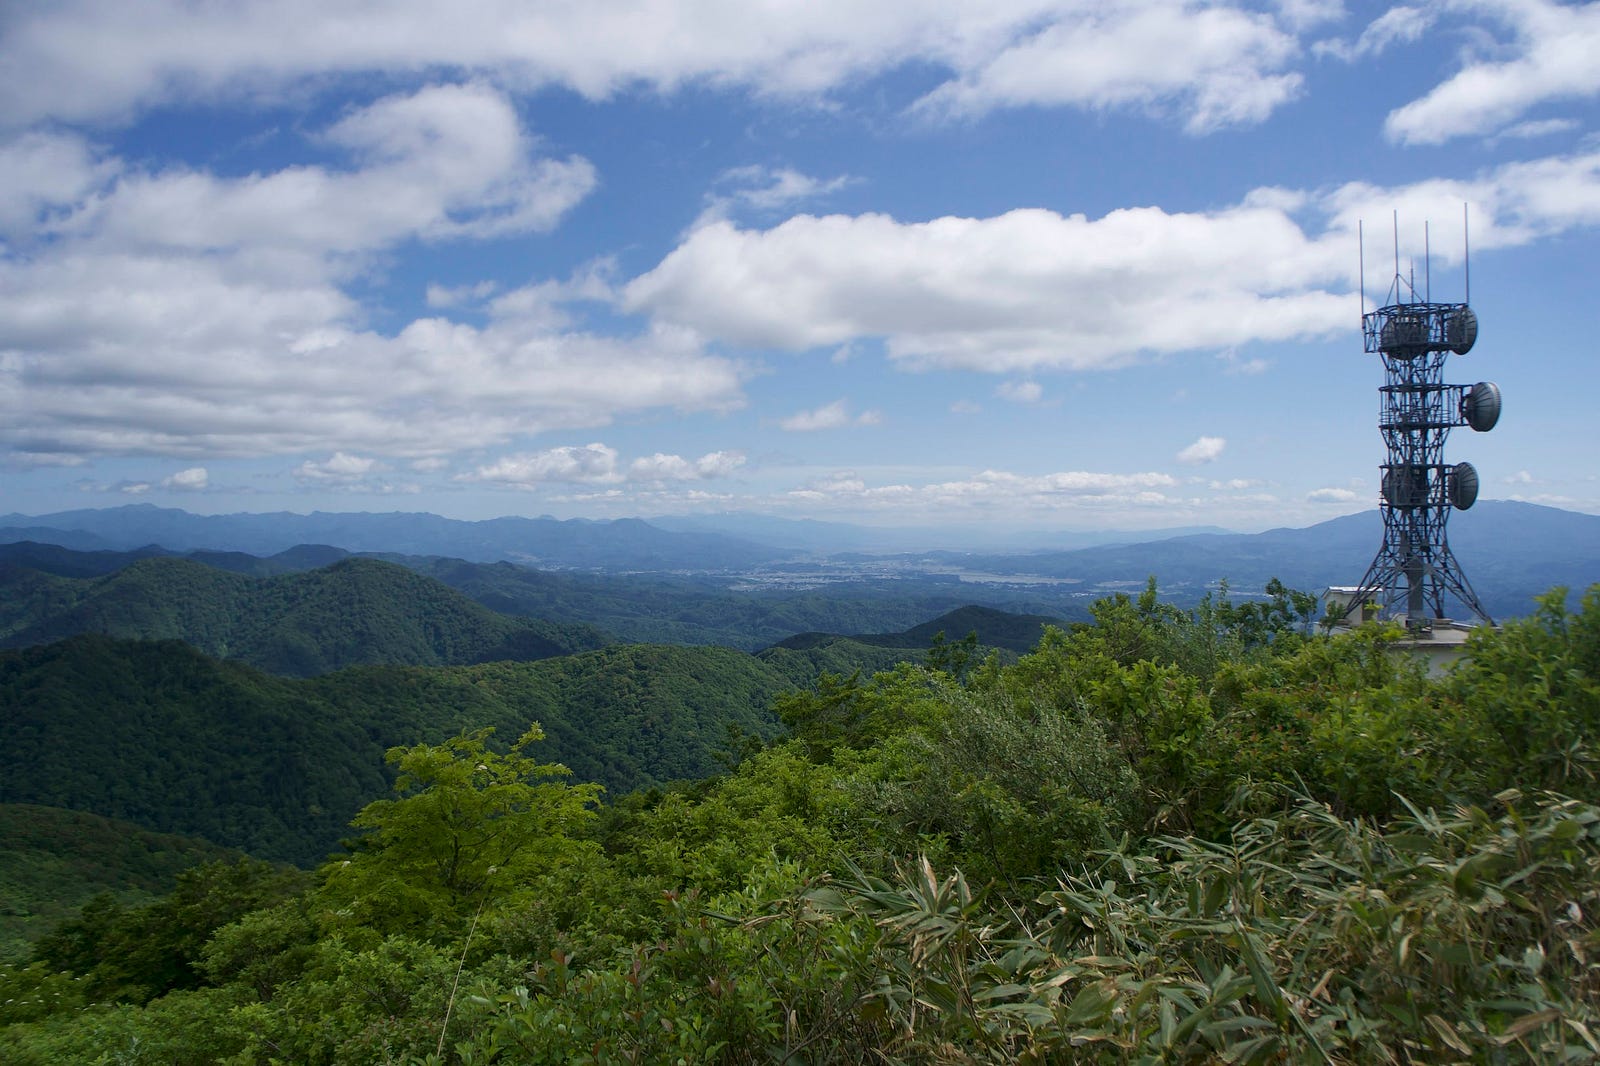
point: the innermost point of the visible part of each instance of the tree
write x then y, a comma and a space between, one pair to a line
467, 825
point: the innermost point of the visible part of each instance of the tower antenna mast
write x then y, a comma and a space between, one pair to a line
1414, 566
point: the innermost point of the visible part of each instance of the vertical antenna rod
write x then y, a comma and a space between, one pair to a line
1427, 264
1361, 259
1466, 250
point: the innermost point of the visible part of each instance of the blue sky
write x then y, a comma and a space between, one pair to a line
1051, 264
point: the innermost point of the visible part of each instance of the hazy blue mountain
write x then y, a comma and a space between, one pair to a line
12, 532
52, 558
1509, 551
624, 544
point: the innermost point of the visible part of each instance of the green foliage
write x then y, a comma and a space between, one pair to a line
52, 861
468, 825
1305, 938
1534, 685
1172, 836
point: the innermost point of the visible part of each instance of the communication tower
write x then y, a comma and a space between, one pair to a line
1414, 336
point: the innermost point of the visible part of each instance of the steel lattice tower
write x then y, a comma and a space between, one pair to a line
1415, 566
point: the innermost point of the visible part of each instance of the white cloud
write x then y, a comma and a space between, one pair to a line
43, 175
180, 313
770, 188
1204, 450
447, 161
763, 189
1527, 131
1031, 288
659, 467
1216, 65
835, 415
598, 464
341, 467
1025, 392
1552, 58
1332, 496
1398, 25
194, 479
1026, 289
1211, 64
590, 464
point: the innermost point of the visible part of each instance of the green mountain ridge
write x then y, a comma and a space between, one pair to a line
357, 611
993, 628
52, 861
160, 735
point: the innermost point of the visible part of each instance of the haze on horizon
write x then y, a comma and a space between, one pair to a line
1048, 265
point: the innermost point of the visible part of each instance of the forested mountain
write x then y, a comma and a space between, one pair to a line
633, 608
52, 861
167, 738
357, 611
989, 627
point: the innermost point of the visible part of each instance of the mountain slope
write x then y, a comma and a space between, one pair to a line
52, 861
160, 735
357, 611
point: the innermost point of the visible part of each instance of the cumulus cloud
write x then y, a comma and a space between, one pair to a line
194, 479
599, 464
1551, 57
44, 175
182, 313
341, 467
1332, 495
1216, 65
1031, 289
444, 162
590, 464
1204, 450
1210, 64
835, 415
659, 467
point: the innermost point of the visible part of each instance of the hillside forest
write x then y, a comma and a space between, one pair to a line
1162, 835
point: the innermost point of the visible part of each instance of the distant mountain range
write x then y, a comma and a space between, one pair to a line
1509, 551
624, 544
